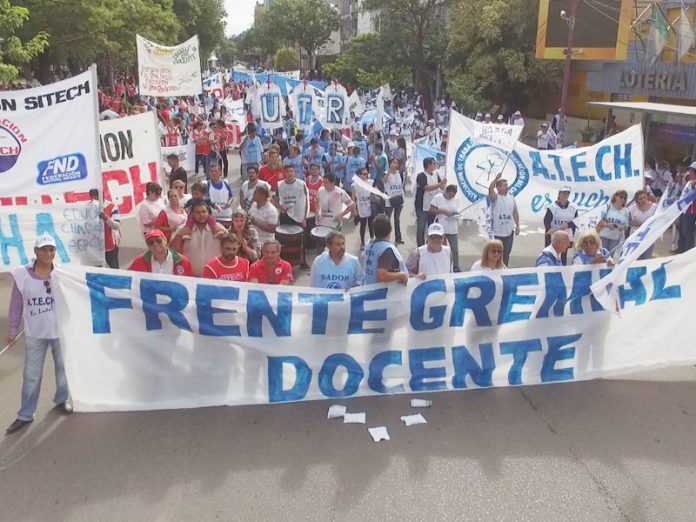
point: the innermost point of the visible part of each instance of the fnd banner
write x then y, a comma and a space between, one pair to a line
49, 138
140, 341
535, 176
130, 155
168, 71
76, 228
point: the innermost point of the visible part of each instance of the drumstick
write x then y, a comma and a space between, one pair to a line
10, 344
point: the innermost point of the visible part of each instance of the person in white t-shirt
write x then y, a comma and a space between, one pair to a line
491, 257
263, 216
330, 202
249, 187
432, 259
505, 220
445, 208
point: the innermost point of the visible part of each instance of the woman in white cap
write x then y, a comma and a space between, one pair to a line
559, 216
33, 300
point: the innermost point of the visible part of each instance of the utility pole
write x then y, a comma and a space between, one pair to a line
568, 60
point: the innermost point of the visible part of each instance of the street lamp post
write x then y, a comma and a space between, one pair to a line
568, 60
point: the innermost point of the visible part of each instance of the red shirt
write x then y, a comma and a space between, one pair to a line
217, 269
282, 271
272, 176
313, 188
202, 141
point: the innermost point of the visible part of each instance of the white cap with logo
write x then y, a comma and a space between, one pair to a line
436, 230
44, 240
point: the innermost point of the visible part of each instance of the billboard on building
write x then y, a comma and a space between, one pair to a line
602, 29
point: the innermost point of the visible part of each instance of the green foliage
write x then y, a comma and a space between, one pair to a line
364, 64
227, 52
285, 59
13, 51
308, 23
206, 18
492, 54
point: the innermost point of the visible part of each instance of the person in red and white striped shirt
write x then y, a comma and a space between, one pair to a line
228, 266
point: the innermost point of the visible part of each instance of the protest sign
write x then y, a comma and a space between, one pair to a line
175, 342
272, 106
186, 154
606, 290
130, 155
76, 228
168, 71
213, 85
49, 138
336, 100
535, 176
303, 102
355, 105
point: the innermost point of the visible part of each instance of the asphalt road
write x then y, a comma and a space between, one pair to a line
601, 450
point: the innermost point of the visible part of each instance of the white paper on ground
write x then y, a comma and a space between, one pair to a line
411, 420
421, 403
336, 411
354, 418
379, 433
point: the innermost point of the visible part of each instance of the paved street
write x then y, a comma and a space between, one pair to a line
602, 450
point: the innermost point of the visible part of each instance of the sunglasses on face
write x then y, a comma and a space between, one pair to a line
47, 285
151, 242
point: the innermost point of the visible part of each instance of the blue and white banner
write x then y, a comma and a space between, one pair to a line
213, 85
76, 228
163, 342
49, 138
304, 103
168, 70
606, 290
337, 104
535, 176
272, 106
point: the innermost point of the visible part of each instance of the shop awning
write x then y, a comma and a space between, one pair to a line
655, 108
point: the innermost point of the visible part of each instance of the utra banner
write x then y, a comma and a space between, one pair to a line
535, 176
141, 341
49, 138
75, 227
130, 154
168, 71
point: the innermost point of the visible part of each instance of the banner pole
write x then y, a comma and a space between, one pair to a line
10, 344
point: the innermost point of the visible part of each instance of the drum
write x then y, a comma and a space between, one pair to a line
319, 234
311, 223
292, 246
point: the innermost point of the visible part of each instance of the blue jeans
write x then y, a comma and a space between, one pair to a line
33, 372
610, 244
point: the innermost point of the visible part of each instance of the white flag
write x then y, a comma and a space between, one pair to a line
687, 36
659, 34
606, 290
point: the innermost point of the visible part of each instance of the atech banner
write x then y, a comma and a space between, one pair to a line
49, 137
76, 228
130, 154
168, 71
161, 342
535, 176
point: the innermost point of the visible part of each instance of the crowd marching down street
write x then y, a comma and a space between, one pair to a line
300, 185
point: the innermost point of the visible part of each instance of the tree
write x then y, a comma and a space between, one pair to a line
227, 52
416, 33
363, 64
13, 50
205, 18
309, 23
492, 55
285, 59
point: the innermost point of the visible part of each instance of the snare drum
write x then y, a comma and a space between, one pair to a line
290, 238
319, 234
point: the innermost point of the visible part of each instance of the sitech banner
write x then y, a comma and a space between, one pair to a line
49, 137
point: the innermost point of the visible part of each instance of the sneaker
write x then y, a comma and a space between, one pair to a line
17, 425
65, 407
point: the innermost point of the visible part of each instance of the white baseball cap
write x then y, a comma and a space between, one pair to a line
45, 240
564, 188
436, 230
693, 165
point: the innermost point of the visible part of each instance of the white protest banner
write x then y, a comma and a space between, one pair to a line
236, 109
357, 180
355, 105
130, 154
500, 135
76, 228
168, 71
535, 176
303, 102
186, 154
175, 342
213, 85
272, 106
606, 290
336, 99
49, 139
